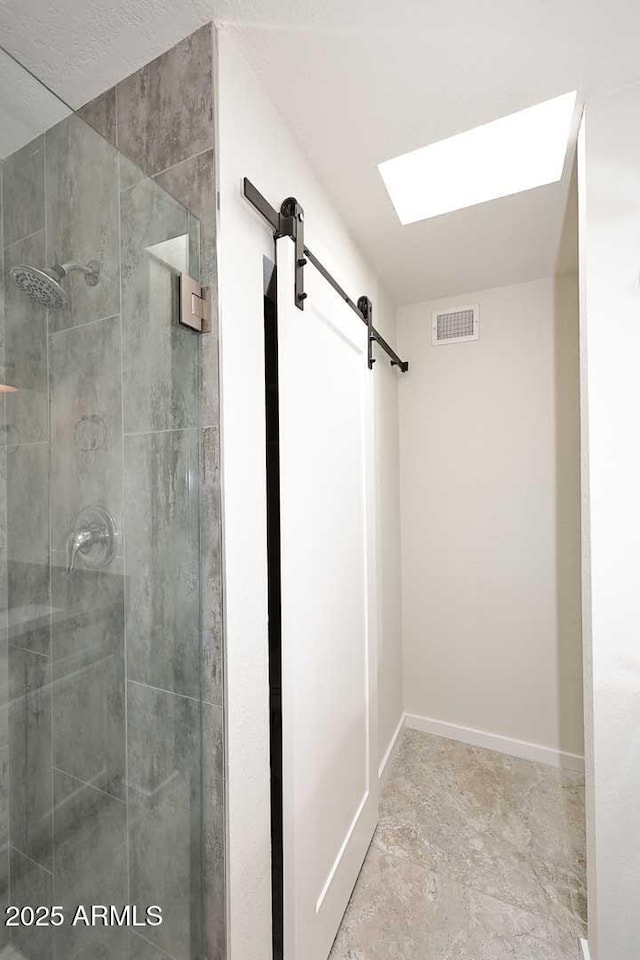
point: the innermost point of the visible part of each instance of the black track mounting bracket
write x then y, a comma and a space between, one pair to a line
292, 225
366, 309
289, 222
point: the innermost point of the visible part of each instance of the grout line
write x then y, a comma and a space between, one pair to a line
155, 946
193, 156
26, 856
172, 693
29, 443
28, 236
34, 653
81, 326
150, 433
86, 783
159, 173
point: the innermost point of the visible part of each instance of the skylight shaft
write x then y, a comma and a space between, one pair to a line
524, 150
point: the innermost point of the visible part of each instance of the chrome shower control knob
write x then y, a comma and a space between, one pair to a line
94, 539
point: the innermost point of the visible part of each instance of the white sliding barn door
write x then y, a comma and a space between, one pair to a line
329, 683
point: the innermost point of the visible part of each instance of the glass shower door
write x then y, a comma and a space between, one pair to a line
102, 828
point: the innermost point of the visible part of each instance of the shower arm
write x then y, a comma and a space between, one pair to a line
91, 270
65, 268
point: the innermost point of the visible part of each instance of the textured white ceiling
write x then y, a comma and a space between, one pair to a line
360, 81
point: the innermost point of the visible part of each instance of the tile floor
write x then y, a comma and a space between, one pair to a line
477, 856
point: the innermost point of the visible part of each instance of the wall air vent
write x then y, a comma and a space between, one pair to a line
455, 326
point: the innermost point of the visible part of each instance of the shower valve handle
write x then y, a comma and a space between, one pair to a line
94, 537
79, 542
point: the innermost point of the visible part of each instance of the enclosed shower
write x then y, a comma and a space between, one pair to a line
111, 750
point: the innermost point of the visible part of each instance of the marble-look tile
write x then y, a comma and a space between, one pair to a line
100, 114
90, 866
4, 784
86, 424
211, 568
25, 349
28, 623
87, 639
162, 560
4, 797
28, 545
3, 492
214, 827
210, 377
31, 886
31, 802
402, 909
28, 503
160, 357
141, 949
81, 178
129, 173
4, 690
192, 184
503, 931
3, 582
4, 897
165, 740
154, 128
23, 191
2, 287
475, 811
460, 866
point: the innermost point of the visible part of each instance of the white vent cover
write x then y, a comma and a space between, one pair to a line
455, 326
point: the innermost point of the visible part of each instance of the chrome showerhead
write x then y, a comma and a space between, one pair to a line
43, 286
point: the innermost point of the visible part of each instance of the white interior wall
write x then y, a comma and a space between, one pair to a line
390, 661
489, 440
254, 142
609, 192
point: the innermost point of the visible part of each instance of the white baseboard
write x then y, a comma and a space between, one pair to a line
585, 950
492, 741
390, 752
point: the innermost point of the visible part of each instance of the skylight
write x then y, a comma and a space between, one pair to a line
523, 150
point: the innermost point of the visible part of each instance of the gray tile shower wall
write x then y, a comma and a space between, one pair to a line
27, 412
85, 385
4, 659
90, 865
31, 885
165, 110
163, 595
160, 363
23, 192
111, 717
81, 208
87, 639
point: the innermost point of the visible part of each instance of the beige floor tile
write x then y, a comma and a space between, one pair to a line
478, 856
